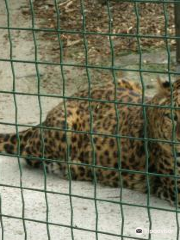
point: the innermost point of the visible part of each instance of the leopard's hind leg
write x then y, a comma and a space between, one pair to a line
45, 146
14, 143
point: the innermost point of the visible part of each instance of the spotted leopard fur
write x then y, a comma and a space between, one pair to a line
113, 148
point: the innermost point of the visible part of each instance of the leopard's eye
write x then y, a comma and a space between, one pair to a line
170, 116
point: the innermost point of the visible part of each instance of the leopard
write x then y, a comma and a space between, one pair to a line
111, 134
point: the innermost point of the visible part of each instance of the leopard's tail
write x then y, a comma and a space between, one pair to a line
14, 143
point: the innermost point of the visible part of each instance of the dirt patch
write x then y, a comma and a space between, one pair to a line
89, 25
93, 41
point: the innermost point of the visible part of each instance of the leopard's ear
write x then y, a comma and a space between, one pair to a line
163, 87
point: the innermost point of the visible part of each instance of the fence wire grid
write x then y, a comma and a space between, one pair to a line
65, 33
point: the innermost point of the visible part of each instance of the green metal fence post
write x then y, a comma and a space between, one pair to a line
177, 26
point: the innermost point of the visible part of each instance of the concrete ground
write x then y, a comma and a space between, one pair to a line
22, 188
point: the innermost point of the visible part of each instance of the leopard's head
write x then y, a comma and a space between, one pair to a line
164, 115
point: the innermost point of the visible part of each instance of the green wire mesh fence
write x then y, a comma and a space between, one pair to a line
91, 38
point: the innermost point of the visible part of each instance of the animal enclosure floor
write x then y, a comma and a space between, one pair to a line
69, 208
